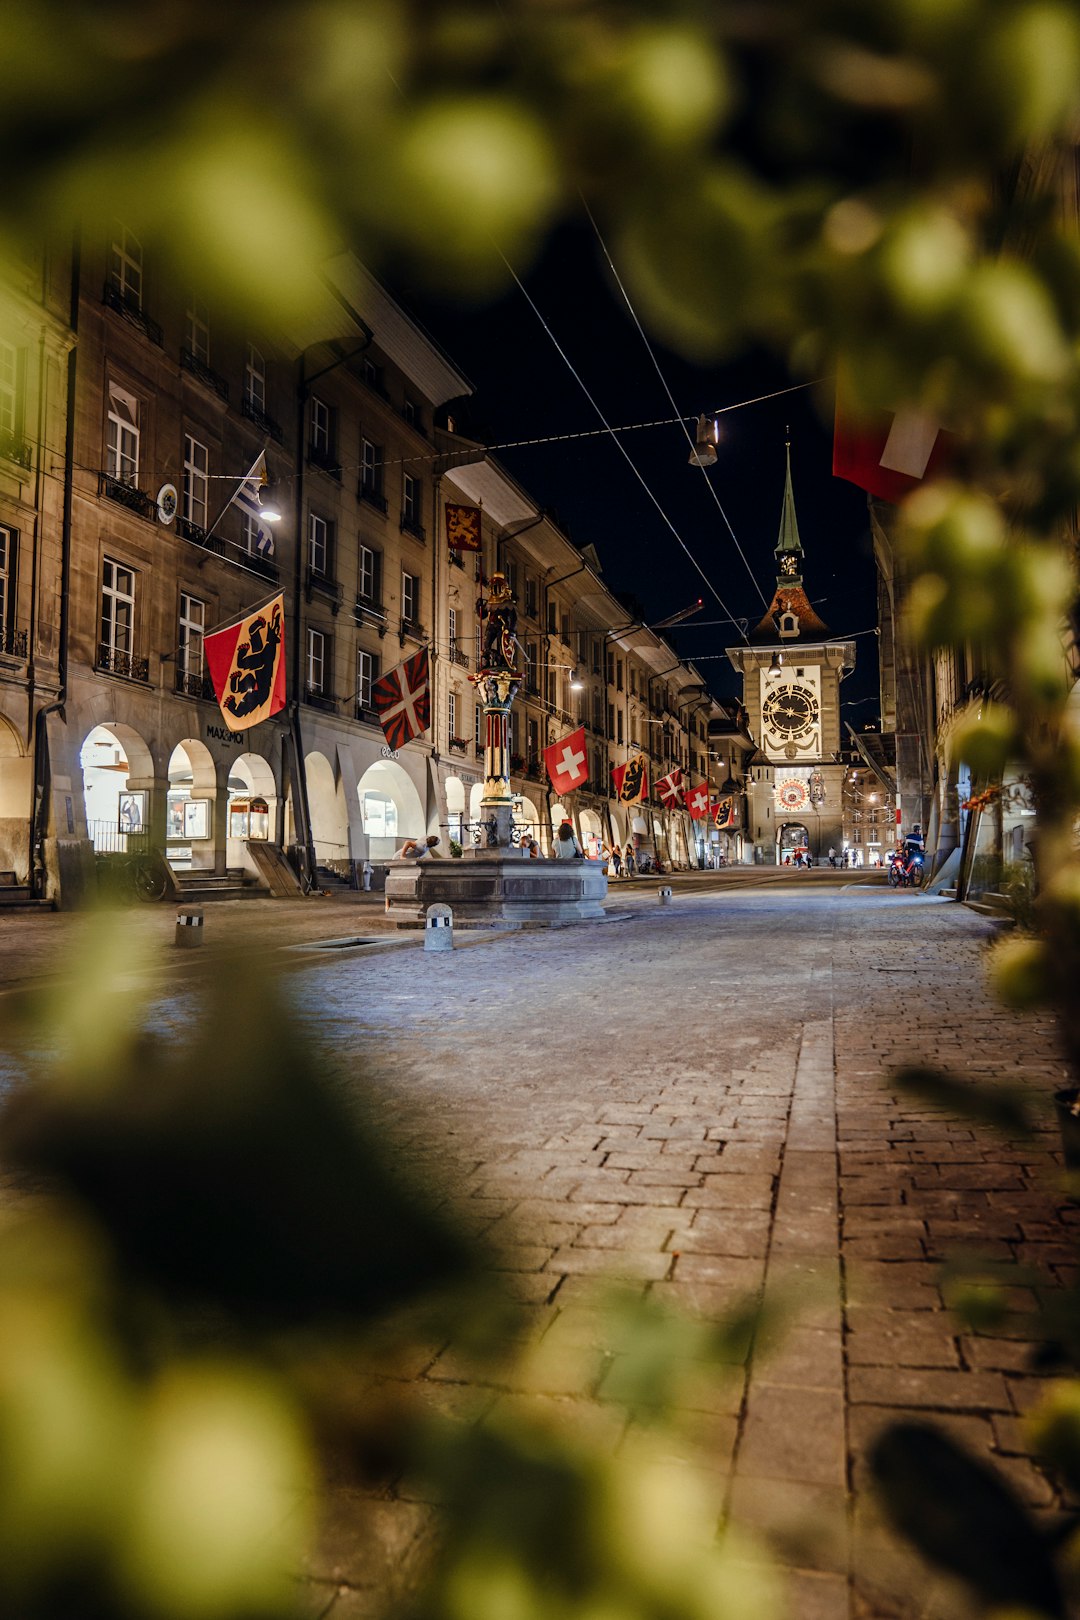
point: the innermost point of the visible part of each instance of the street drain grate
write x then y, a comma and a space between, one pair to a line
334, 944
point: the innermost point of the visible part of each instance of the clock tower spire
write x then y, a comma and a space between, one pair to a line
789, 551
792, 669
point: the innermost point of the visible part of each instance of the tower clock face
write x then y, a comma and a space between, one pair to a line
790, 712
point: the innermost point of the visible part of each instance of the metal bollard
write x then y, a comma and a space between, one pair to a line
189, 926
665, 894
439, 930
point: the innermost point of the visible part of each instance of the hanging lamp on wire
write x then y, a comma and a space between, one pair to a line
706, 436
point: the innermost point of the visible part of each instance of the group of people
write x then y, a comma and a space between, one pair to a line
622, 862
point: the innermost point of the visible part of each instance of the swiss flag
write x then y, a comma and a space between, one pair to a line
887, 453
696, 800
565, 762
670, 789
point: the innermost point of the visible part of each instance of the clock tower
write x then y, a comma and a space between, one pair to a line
792, 668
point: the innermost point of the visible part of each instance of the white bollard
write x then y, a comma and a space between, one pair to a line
189, 926
665, 894
439, 929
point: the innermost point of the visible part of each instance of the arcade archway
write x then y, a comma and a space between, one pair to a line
390, 807
252, 810
792, 842
118, 776
16, 788
191, 806
329, 813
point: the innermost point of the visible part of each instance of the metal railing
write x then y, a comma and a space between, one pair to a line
195, 686
261, 420
325, 585
131, 311
325, 461
199, 368
13, 642
409, 525
14, 448
125, 494
374, 497
111, 662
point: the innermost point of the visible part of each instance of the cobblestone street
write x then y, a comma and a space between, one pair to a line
695, 1100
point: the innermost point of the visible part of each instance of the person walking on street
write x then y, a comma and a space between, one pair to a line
367, 872
832, 856
628, 859
616, 861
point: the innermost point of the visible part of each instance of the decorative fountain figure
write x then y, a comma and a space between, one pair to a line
498, 682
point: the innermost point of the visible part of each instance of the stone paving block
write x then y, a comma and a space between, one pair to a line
813, 1596
610, 1263
731, 1191
736, 1271
726, 1232
930, 1388
793, 1435
1004, 1355
804, 1525
902, 1283
802, 1358
362, 1542
885, 1338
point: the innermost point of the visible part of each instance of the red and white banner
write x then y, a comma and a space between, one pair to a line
887, 453
670, 789
566, 762
402, 700
696, 800
246, 660
631, 780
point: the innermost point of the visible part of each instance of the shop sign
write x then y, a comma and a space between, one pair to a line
223, 734
388, 752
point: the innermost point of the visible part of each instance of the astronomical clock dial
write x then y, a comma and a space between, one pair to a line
790, 712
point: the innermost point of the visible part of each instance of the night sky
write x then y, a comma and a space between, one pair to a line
524, 389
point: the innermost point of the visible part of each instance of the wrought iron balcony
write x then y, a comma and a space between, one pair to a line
367, 611
14, 448
456, 559
112, 662
194, 686
319, 698
368, 716
373, 496
258, 565
261, 420
129, 495
458, 657
410, 525
199, 537
131, 311
325, 460
198, 368
325, 586
459, 745
408, 627
13, 643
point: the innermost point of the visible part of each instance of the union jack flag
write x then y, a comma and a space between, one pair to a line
402, 700
670, 789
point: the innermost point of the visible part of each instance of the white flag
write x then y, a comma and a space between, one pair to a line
249, 499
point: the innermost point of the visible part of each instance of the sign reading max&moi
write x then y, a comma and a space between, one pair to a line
223, 734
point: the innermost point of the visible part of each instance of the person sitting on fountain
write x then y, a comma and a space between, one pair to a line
419, 849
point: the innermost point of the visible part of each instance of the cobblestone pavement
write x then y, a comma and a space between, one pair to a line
696, 1101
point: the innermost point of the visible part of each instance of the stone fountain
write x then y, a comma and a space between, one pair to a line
495, 885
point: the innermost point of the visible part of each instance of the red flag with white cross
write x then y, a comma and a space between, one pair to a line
566, 762
887, 453
696, 800
670, 789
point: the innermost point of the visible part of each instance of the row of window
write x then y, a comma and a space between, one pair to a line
125, 274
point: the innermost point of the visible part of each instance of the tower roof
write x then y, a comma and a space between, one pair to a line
790, 618
789, 524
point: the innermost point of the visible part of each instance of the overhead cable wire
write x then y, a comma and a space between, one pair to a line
615, 440
664, 384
